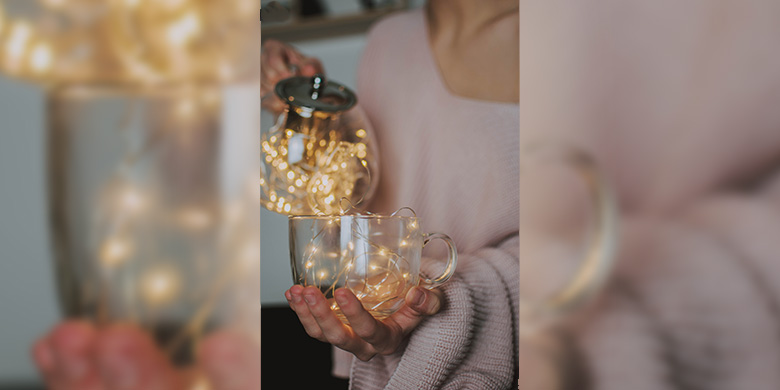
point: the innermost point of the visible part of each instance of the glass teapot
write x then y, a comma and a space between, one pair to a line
320, 151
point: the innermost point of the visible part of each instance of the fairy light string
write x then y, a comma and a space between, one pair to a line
130, 41
378, 275
308, 171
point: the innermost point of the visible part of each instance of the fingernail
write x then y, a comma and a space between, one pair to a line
311, 300
296, 298
416, 298
341, 298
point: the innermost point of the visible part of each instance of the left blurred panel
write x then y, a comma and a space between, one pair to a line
129, 163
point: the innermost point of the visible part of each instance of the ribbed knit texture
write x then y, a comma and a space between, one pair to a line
678, 101
455, 161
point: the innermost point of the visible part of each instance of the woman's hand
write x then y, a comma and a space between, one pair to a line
76, 355
279, 61
366, 336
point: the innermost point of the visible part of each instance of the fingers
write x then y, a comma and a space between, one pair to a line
310, 66
363, 323
420, 302
128, 359
231, 361
423, 301
66, 356
320, 322
43, 356
334, 331
304, 315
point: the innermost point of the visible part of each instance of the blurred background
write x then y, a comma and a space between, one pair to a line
332, 30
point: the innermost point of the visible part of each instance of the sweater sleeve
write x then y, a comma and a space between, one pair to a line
694, 302
472, 343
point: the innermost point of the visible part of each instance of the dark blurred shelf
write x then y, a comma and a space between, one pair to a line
325, 26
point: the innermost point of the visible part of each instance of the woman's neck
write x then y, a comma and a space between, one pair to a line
467, 17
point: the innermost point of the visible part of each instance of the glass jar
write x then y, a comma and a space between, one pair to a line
321, 156
154, 208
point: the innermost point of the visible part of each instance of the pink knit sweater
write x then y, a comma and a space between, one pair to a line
455, 161
679, 101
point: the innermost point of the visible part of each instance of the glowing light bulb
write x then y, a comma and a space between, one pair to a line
114, 252
18, 39
41, 58
159, 286
183, 30
309, 265
131, 200
360, 133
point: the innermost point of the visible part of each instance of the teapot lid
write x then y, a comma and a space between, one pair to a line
315, 93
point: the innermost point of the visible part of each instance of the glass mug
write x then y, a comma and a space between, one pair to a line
377, 257
599, 254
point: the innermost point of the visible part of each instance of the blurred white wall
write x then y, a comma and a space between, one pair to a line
27, 302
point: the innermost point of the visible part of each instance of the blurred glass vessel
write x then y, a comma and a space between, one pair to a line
320, 150
154, 210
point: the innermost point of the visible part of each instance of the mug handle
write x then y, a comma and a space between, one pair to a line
600, 254
452, 260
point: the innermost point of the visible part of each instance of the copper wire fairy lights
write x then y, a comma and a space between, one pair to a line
131, 41
320, 150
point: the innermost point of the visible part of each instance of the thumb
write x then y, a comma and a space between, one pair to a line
423, 301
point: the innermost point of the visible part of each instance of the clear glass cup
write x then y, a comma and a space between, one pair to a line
154, 208
377, 257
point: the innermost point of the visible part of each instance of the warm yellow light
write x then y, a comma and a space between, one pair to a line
18, 40
131, 200
41, 58
54, 4
114, 252
360, 133
160, 285
195, 219
184, 30
291, 175
185, 108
